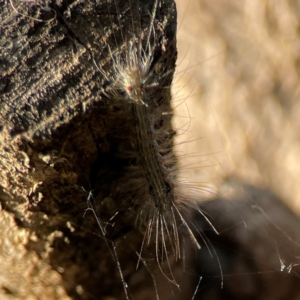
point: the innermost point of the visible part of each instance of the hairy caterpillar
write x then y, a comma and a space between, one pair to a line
140, 82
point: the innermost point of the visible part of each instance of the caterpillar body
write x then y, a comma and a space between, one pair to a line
140, 81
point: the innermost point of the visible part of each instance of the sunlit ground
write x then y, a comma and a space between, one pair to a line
238, 69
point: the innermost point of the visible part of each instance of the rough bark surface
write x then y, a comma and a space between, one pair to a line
61, 137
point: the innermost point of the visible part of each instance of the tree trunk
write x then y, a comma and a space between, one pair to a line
62, 138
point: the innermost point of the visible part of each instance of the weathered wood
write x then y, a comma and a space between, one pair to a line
61, 137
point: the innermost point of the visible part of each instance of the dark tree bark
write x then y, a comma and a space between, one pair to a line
61, 137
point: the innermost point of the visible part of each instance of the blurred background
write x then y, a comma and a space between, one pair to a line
236, 94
